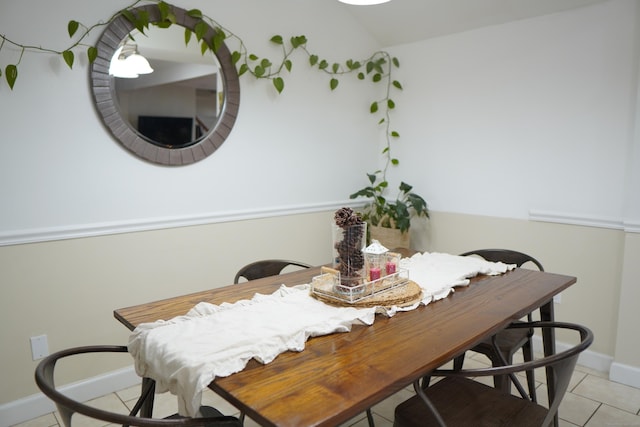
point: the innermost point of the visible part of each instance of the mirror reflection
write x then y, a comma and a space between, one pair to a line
166, 90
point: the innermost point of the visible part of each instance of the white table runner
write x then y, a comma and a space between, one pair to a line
184, 354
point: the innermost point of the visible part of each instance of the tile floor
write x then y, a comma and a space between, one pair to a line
591, 401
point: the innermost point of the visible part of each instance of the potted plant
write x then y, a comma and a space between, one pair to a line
390, 220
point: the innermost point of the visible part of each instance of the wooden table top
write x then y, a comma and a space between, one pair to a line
339, 376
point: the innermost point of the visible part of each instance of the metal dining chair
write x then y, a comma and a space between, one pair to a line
458, 400
45, 373
266, 268
509, 341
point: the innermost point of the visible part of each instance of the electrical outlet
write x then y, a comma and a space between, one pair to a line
39, 347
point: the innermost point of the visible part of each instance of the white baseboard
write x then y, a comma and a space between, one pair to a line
625, 374
588, 358
38, 404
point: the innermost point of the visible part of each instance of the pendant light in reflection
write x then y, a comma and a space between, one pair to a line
128, 63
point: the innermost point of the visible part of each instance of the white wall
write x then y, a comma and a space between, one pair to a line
59, 169
535, 115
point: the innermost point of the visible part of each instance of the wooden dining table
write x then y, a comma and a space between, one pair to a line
338, 376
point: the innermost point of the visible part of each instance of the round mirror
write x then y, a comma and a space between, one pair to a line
165, 102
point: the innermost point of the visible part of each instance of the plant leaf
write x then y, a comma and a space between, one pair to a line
333, 83
195, 13
253, 57
390, 104
395, 162
313, 60
336, 67
200, 29
278, 82
361, 76
277, 39
376, 77
374, 107
395, 134
395, 62
258, 71
92, 54
323, 64
243, 69
72, 27
397, 84
11, 74
68, 57
288, 64
187, 36
235, 56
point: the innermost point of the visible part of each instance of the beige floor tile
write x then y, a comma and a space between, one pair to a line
43, 421
387, 407
614, 394
610, 416
110, 403
130, 393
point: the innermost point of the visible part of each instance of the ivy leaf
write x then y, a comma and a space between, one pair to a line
313, 60
390, 104
11, 74
370, 66
68, 57
336, 67
129, 15
200, 29
72, 27
278, 82
265, 63
376, 77
397, 84
166, 13
92, 54
361, 76
258, 71
277, 39
395, 134
288, 64
235, 56
323, 64
253, 57
195, 13
204, 47
395, 62
298, 41
395, 162
217, 41
374, 107
243, 69
333, 84
187, 36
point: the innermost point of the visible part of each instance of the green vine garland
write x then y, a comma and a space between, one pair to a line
377, 68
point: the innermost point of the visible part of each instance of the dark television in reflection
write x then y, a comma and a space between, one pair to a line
169, 132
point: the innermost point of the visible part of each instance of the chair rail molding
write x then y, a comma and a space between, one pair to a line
76, 231
624, 224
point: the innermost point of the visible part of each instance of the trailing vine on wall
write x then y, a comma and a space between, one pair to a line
377, 68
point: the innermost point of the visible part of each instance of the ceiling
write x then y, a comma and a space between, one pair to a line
405, 21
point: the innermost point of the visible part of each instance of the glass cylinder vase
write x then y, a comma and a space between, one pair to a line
348, 244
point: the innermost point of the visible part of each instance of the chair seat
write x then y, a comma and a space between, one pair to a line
461, 399
508, 341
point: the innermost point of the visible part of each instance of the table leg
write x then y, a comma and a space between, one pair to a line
549, 346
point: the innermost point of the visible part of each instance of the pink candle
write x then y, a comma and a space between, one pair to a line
391, 267
374, 273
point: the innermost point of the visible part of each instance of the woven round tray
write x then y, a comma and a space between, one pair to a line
401, 296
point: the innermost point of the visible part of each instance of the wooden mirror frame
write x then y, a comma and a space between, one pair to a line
106, 103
